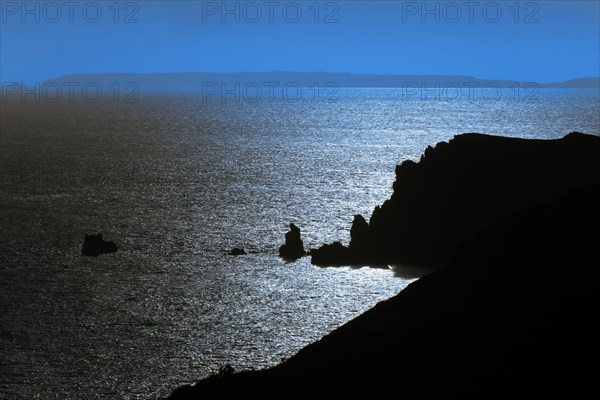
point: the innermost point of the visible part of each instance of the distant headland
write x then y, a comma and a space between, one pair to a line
186, 81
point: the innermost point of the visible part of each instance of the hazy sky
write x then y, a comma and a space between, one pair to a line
527, 40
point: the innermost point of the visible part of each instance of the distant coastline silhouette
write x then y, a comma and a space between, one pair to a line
157, 82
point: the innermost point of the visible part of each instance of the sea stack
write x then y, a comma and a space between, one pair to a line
293, 247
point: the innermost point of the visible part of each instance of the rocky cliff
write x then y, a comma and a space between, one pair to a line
459, 188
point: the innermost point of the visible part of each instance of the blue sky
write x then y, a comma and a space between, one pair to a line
542, 41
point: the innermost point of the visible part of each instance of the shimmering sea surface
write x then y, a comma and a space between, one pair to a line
179, 180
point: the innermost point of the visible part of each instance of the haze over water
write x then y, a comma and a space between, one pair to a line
178, 181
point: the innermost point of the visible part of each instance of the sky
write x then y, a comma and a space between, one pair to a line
543, 41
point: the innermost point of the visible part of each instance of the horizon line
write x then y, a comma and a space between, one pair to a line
306, 72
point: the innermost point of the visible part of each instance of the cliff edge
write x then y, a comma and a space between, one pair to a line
459, 188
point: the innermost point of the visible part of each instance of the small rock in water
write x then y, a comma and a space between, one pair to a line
94, 245
237, 252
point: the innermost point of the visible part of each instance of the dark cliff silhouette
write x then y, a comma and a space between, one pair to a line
512, 316
293, 247
94, 245
459, 188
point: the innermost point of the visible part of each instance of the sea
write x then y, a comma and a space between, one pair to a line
179, 179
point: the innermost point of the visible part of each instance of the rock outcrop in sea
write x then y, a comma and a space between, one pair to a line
293, 247
237, 251
94, 245
459, 188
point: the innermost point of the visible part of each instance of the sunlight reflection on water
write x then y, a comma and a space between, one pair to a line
177, 183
